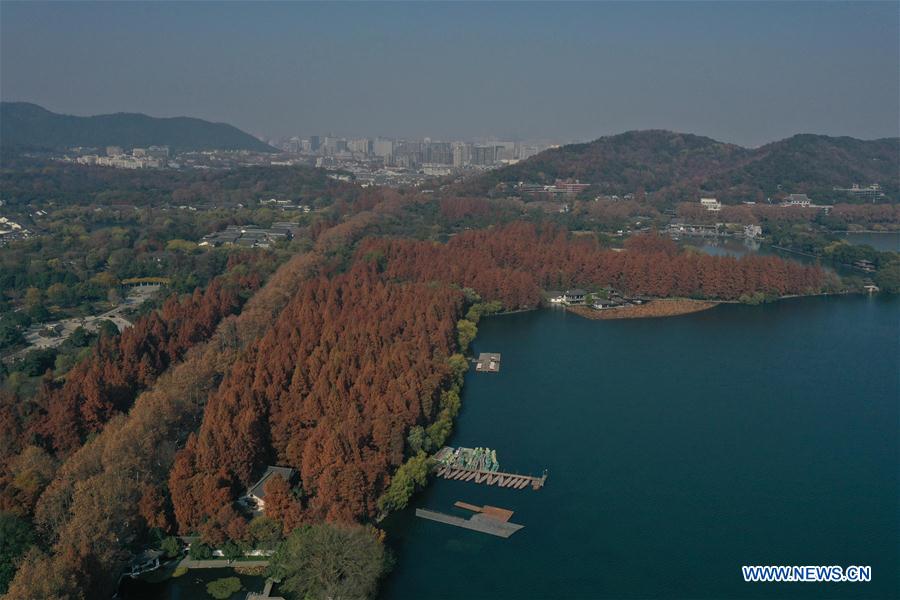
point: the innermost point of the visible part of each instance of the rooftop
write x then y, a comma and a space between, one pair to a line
258, 488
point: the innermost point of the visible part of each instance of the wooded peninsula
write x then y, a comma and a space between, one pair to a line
337, 355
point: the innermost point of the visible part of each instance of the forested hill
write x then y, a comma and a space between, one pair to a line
25, 125
677, 166
815, 164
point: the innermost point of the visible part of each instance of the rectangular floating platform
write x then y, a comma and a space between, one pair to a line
488, 362
500, 514
478, 522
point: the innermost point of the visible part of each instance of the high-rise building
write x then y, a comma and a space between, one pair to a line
315, 142
505, 150
384, 149
438, 153
408, 154
485, 155
333, 145
524, 151
360, 146
462, 154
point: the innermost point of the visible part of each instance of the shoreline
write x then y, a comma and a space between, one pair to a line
792, 251
868, 231
673, 307
655, 308
661, 307
510, 312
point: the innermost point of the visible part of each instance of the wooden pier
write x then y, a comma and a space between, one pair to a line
496, 478
478, 522
500, 514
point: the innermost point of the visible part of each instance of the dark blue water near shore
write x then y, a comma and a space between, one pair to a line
678, 449
190, 586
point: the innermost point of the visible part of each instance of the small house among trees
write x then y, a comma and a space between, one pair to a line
606, 303
145, 562
575, 296
256, 494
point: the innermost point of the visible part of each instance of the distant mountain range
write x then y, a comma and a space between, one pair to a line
29, 126
678, 166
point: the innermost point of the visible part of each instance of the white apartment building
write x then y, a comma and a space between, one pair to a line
710, 204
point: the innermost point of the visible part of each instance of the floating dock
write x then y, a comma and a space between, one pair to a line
478, 522
499, 514
488, 362
480, 465
505, 480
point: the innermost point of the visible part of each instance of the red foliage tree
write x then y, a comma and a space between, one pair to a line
331, 390
120, 367
281, 504
512, 263
354, 361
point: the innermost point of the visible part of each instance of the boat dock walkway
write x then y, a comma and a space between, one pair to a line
497, 478
478, 522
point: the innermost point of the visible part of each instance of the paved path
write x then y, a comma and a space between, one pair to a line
218, 563
36, 341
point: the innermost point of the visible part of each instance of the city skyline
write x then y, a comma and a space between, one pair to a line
562, 72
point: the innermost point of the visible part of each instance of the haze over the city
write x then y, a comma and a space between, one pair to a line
308, 300
743, 73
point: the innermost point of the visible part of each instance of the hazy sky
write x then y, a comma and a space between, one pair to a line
744, 73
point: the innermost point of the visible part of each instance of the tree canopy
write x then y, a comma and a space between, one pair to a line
15, 538
334, 562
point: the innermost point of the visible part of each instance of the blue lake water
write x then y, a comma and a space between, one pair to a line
886, 242
678, 450
729, 246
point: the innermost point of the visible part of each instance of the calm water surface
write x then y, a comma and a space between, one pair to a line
678, 449
726, 246
886, 242
190, 586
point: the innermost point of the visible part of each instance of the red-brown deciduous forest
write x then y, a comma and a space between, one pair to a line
512, 263
103, 491
324, 374
354, 361
106, 383
121, 366
331, 389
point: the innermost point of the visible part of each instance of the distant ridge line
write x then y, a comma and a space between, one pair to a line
30, 126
